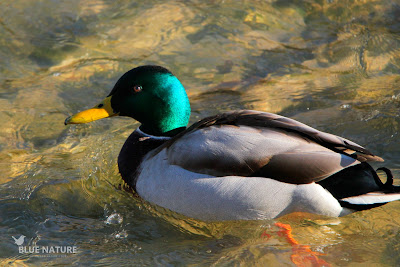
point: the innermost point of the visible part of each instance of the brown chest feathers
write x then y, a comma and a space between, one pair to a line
132, 153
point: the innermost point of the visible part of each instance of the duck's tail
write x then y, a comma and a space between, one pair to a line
359, 187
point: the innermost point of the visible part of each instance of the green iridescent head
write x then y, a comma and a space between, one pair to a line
151, 95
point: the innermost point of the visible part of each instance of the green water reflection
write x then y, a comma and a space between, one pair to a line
331, 64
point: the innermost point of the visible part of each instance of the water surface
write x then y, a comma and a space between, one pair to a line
331, 64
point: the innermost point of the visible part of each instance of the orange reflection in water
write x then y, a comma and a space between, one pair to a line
302, 255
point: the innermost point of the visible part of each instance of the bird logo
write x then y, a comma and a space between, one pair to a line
19, 241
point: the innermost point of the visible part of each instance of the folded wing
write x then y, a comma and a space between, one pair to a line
251, 143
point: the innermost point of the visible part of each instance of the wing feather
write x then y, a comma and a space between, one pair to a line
252, 143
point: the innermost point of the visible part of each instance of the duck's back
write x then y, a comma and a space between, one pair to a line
256, 152
251, 143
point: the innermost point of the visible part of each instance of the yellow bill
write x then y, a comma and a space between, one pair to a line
100, 111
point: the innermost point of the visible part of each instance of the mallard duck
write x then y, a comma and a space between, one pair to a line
240, 165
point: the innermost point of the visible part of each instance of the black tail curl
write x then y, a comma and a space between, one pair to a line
388, 186
358, 180
366, 172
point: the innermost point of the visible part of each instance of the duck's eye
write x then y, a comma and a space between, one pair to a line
137, 88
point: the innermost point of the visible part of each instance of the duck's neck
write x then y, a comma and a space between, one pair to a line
155, 132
